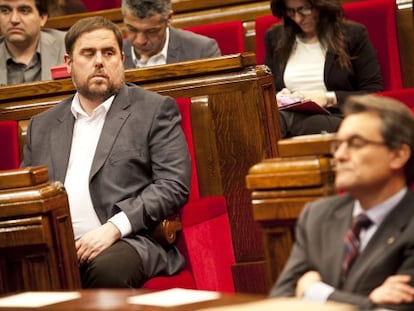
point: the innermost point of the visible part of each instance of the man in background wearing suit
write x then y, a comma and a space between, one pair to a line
122, 156
151, 41
374, 164
27, 52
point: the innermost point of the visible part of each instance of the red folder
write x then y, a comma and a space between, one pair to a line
305, 106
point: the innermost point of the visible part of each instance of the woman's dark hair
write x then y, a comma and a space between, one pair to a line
329, 29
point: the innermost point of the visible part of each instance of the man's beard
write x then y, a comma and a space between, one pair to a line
99, 94
93, 94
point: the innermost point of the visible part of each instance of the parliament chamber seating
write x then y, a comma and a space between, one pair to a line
203, 234
234, 125
379, 17
205, 238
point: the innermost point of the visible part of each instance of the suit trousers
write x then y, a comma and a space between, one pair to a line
119, 266
296, 123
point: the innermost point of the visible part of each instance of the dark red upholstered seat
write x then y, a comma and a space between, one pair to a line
205, 239
9, 145
229, 35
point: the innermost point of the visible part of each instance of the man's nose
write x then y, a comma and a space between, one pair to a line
15, 16
98, 59
140, 38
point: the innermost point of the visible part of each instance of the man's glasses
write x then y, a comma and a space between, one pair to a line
303, 11
354, 142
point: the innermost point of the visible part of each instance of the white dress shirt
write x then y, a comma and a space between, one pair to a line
86, 133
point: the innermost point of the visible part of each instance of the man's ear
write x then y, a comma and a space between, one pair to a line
43, 19
68, 63
170, 15
401, 155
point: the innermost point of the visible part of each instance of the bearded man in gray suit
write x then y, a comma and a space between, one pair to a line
27, 50
122, 156
374, 164
151, 41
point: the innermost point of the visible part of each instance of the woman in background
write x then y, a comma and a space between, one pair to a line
316, 54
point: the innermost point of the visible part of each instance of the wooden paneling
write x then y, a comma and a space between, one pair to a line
37, 247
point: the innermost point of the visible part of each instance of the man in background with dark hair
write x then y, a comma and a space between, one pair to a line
27, 52
152, 41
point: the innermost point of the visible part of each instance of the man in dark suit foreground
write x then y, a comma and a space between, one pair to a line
150, 40
122, 156
374, 165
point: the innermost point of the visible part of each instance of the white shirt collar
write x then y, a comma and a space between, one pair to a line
378, 213
78, 111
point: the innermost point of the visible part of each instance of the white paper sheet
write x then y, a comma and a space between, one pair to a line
173, 297
37, 299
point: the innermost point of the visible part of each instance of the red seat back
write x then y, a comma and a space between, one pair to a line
262, 24
229, 35
405, 96
379, 17
9, 145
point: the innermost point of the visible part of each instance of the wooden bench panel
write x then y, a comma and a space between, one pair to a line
37, 247
282, 186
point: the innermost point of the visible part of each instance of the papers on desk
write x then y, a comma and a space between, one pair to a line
173, 297
37, 299
286, 304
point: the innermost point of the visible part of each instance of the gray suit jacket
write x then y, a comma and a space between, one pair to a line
141, 165
182, 46
52, 51
319, 246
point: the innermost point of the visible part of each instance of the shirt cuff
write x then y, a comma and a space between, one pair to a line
121, 221
318, 292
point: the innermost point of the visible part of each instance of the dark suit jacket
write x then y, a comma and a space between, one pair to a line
319, 246
141, 165
366, 75
182, 46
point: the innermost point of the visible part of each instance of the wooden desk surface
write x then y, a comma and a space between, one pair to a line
94, 300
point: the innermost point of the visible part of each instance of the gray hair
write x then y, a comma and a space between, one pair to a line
147, 8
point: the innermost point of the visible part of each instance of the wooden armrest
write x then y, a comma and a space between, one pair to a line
166, 231
23, 177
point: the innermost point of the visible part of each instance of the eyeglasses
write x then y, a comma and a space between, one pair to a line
354, 142
303, 11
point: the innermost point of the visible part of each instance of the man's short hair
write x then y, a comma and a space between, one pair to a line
42, 7
147, 8
397, 122
89, 24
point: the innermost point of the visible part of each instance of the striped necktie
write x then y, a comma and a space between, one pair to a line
352, 242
